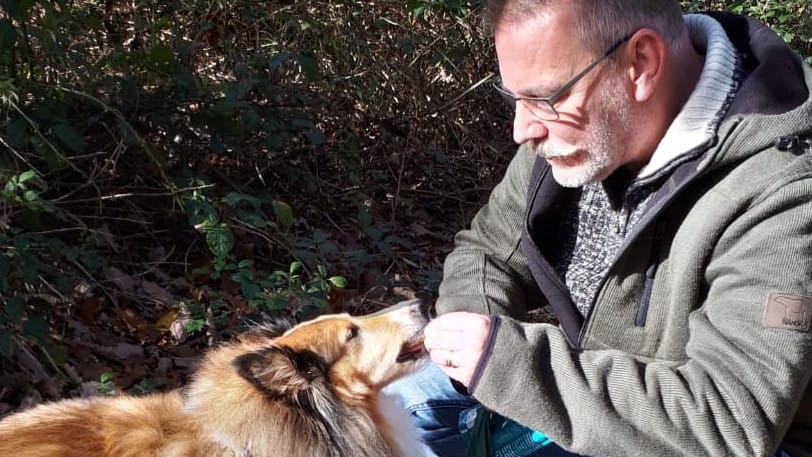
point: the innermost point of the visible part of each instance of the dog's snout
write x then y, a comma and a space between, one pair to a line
408, 311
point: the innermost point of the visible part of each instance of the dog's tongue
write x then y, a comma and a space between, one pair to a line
412, 349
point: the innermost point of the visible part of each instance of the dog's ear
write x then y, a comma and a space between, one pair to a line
281, 372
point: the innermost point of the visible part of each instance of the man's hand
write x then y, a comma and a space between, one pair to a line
456, 341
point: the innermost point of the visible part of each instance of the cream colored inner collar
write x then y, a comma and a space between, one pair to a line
698, 120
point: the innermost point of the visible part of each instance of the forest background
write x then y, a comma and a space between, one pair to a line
171, 170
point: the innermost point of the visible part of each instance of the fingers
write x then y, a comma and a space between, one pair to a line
456, 341
456, 331
443, 358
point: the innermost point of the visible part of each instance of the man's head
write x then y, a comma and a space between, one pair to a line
605, 68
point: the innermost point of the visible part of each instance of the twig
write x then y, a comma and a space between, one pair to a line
171, 193
459, 97
20, 156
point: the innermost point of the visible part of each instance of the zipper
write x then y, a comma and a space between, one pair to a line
651, 271
648, 218
570, 321
700, 167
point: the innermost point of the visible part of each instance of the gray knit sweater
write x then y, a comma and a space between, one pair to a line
594, 226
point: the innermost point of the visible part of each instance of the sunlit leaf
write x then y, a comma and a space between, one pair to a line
338, 281
167, 319
283, 213
195, 325
220, 240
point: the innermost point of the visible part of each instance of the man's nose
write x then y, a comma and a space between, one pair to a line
526, 126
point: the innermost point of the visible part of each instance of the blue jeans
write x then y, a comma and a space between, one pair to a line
434, 406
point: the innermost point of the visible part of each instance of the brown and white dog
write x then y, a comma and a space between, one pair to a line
312, 391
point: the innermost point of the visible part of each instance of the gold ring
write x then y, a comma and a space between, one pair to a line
448, 362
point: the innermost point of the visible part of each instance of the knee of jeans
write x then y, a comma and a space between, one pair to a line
439, 414
423, 387
430, 399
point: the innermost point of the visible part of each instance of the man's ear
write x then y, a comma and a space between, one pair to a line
645, 56
281, 372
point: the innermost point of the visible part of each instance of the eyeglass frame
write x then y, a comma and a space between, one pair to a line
551, 100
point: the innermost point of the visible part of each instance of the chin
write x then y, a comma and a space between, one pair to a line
573, 177
580, 169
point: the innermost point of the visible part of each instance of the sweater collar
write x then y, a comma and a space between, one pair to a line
697, 122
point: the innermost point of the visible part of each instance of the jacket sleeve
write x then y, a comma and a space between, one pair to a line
487, 271
737, 388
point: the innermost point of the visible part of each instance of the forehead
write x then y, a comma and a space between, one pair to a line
538, 52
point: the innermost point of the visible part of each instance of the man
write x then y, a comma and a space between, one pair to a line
661, 204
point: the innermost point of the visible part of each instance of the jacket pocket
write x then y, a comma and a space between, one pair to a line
648, 283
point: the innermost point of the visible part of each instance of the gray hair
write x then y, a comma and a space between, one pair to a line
600, 22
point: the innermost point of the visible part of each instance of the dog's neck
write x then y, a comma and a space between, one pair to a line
398, 429
331, 429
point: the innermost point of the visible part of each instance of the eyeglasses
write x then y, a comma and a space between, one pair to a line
543, 107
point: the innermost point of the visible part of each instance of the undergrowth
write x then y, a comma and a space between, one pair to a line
174, 167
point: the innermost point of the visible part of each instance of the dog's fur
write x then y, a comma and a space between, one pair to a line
312, 391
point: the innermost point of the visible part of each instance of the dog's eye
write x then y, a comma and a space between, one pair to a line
352, 332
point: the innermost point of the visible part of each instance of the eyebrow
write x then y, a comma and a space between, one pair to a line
537, 91
543, 90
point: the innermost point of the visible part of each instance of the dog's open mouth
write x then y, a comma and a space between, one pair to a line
412, 350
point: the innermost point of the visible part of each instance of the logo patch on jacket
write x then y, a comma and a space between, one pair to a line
793, 312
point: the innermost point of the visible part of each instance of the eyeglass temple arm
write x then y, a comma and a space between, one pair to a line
553, 98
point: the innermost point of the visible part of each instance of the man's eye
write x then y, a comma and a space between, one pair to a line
535, 102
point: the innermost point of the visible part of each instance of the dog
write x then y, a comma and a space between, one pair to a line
312, 391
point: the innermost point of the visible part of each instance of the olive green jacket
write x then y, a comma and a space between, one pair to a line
698, 341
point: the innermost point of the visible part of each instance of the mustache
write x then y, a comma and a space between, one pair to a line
548, 149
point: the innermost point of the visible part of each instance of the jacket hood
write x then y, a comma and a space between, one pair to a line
773, 105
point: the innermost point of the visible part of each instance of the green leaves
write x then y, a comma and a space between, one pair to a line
338, 281
787, 18
283, 213
219, 239
24, 189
